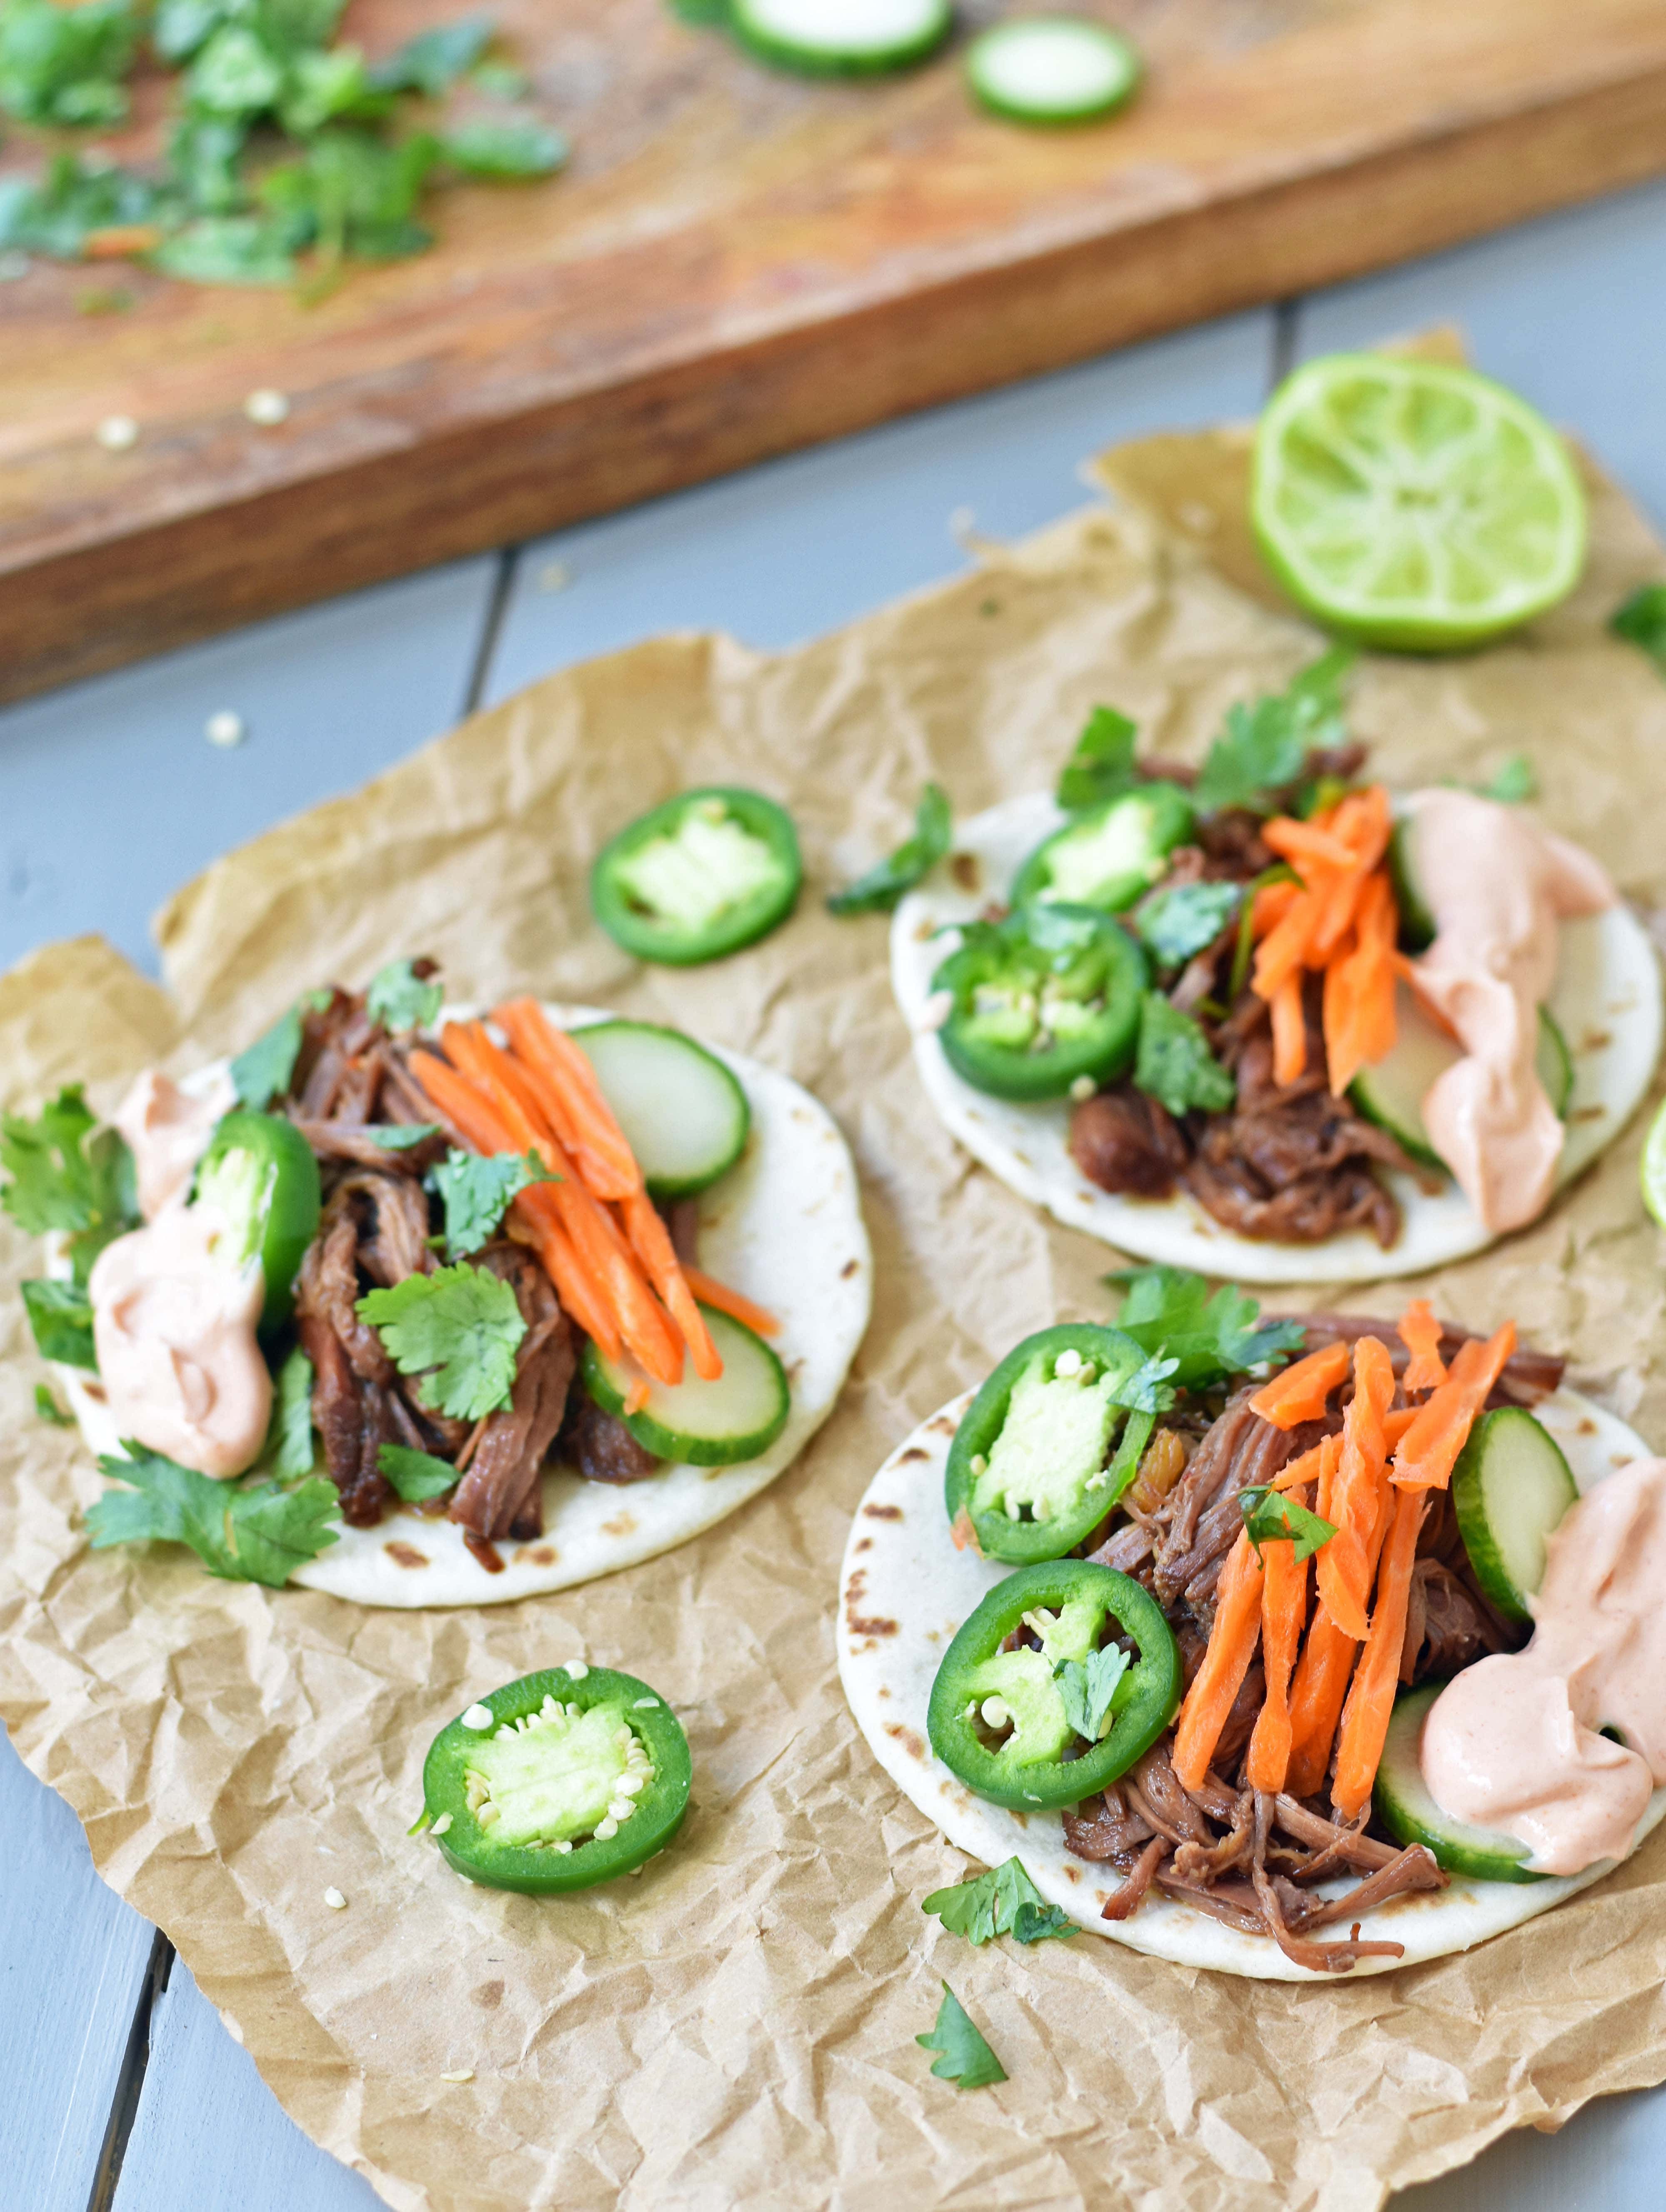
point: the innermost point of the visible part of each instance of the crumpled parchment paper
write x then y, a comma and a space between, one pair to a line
734, 2028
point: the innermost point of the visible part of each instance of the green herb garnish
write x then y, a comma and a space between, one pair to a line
1211, 1336
1102, 767
400, 999
1173, 1062
247, 1533
263, 1071
400, 1136
882, 887
966, 2058
415, 1475
1515, 781
1269, 1516
1175, 924
1003, 1902
477, 1192
1087, 1686
459, 1330
289, 1450
47, 1408
66, 65
1641, 621
67, 1174
1264, 748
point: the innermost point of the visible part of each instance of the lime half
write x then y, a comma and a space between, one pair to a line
1413, 504
1654, 1169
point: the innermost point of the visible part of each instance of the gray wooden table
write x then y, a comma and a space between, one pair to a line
121, 2086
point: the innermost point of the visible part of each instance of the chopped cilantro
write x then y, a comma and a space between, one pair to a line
1175, 924
47, 1408
61, 1319
1515, 781
263, 1071
244, 1532
883, 886
434, 61
1269, 1516
1173, 1062
1145, 1391
1641, 621
66, 65
400, 1136
1003, 1902
1211, 1336
416, 1474
228, 249
966, 2058
1264, 748
67, 1174
400, 998
459, 1329
289, 1452
476, 1191
1102, 766
1087, 1686
504, 150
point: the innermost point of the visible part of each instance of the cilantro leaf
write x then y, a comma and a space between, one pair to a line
47, 1408
1265, 745
67, 1174
400, 998
1144, 1391
290, 1451
1641, 621
1003, 1902
433, 62
66, 65
476, 1191
61, 1320
967, 2059
263, 1071
400, 1136
883, 886
460, 1329
1269, 1516
504, 150
255, 1532
1102, 766
1515, 781
1175, 924
1210, 1336
1087, 1686
416, 1474
1174, 1063
228, 249
351, 192
235, 74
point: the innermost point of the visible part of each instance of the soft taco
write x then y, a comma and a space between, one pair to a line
1269, 1019
1308, 1647
422, 1308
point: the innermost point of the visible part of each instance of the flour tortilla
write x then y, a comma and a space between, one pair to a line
1607, 1000
785, 1228
904, 1591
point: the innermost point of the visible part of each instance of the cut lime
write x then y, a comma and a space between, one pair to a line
1413, 504
1654, 1169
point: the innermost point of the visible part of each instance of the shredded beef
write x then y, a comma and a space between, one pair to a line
1125, 1900
1110, 1832
1447, 1626
598, 1445
501, 1489
1127, 1142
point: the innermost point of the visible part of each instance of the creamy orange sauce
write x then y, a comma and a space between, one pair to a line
1512, 1743
167, 1131
1496, 885
173, 1325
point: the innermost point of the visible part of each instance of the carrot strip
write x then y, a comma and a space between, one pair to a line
1344, 1565
1283, 1616
560, 1071
1420, 1332
1315, 1702
1295, 842
1217, 1682
1298, 1394
1429, 1450
578, 1294
1283, 951
1339, 1019
460, 1102
637, 1396
1305, 1469
1289, 1032
650, 1240
1376, 1678
1395, 1422
1273, 902
711, 1292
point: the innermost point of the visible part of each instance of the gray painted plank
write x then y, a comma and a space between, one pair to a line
1571, 310
797, 546
1607, 2159
72, 1962
114, 797
209, 2136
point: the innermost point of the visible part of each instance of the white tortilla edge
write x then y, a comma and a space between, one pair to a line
1606, 1000
904, 1591
785, 1228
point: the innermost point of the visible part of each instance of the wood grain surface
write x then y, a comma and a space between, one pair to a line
738, 263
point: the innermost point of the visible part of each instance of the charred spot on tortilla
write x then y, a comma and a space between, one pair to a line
406, 1555
884, 1512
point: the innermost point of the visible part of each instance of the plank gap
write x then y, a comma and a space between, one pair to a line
124, 2105
497, 607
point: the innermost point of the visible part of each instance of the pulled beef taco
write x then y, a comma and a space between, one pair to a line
1280, 1669
1267, 1019
424, 1309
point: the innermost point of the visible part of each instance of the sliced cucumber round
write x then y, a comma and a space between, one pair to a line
1052, 69
1392, 1093
841, 37
1411, 1815
1416, 924
705, 1424
1509, 1488
684, 1115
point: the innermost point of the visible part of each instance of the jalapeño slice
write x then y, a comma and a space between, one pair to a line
570, 1777
1110, 855
259, 1171
1043, 1001
1036, 1464
698, 877
1007, 1724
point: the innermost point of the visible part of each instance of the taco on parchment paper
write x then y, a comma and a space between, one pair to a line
457, 1311
1280, 1670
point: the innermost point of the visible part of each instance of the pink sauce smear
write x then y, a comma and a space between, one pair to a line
1512, 1742
1496, 885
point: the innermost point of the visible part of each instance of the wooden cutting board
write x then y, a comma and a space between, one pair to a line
738, 263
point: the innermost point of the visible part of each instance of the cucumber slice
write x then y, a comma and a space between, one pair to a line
705, 1423
1392, 1093
1411, 1815
841, 37
1509, 1488
1052, 69
1416, 924
684, 1115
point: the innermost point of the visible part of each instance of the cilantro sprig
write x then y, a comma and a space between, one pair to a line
1003, 1902
47, 1408
1641, 621
60, 1316
1175, 924
289, 1451
1088, 1687
1264, 747
1210, 1336
967, 2059
476, 1191
882, 887
1269, 1516
415, 1475
1102, 767
400, 998
458, 1330
1173, 1062
257, 1532
64, 1173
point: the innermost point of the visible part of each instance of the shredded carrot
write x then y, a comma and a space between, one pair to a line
650, 1240
460, 1101
1283, 951
1356, 1491
1315, 1702
711, 1292
1298, 1394
1272, 901
1305, 842
1376, 1678
1429, 1450
1219, 1678
1283, 1616
563, 1074
1305, 1469
1289, 1032
1420, 1332
1395, 1422
637, 1396
573, 1287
